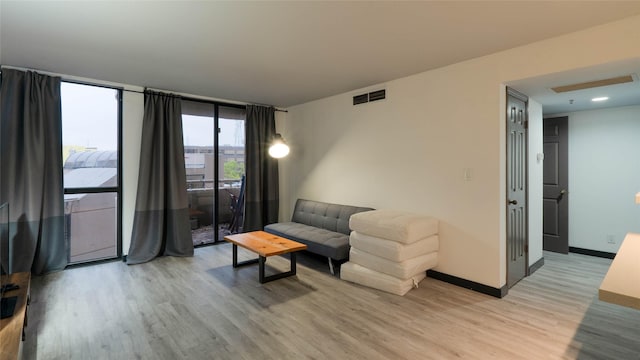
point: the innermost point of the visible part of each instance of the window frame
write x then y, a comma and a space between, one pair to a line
107, 189
216, 158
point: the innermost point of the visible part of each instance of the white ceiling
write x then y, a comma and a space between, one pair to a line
626, 94
280, 53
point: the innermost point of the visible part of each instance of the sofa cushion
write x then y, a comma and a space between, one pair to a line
377, 280
393, 250
400, 226
319, 241
327, 216
401, 270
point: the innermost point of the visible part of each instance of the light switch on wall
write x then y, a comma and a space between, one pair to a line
467, 174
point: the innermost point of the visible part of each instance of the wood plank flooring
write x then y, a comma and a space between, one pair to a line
202, 308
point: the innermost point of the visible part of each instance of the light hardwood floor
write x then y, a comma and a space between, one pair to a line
202, 308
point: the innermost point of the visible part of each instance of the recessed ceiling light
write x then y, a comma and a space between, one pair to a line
603, 98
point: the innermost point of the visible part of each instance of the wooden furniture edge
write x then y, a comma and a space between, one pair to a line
621, 284
618, 299
11, 329
260, 236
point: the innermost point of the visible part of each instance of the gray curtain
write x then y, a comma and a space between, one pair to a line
161, 220
31, 170
261, 197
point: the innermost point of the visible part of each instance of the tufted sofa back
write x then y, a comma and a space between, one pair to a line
332, 217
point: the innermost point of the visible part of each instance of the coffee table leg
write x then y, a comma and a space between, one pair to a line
261, 269
263, 279
243, 263
235, 255
261, 260
293, 263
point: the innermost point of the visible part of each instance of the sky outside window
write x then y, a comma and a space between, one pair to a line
89, 121
89, 117
198, 131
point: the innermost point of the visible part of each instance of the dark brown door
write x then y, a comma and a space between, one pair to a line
556, 178
517, 221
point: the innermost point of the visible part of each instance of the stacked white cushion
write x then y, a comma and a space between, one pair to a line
402, 270
355, 273
393, 250
394, 225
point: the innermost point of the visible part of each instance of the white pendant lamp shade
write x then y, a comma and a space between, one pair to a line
278, 148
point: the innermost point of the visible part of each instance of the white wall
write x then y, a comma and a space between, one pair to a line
604, 176
132, 111
409, 151
535, 181
284, 182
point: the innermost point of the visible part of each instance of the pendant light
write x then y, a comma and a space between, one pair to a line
278, 148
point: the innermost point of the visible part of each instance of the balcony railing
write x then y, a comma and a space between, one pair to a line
201, 204
207, 184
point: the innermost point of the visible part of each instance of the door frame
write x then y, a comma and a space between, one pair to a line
525, 98
216, 160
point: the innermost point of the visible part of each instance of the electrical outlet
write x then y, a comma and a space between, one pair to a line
611, 239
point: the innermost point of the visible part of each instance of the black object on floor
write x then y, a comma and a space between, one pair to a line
8, 306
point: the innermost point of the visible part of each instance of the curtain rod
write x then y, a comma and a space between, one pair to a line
203, 100
133, 91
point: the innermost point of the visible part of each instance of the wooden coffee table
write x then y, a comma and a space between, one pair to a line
265, 245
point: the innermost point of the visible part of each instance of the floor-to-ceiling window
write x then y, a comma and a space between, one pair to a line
91, 166
231, 165
214, 160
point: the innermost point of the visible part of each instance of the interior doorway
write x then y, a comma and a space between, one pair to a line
601, 209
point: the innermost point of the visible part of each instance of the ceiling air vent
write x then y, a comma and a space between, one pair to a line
593, 84
377, 95
372, 96
360, 99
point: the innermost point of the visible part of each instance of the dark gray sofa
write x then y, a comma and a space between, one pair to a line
323, 227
